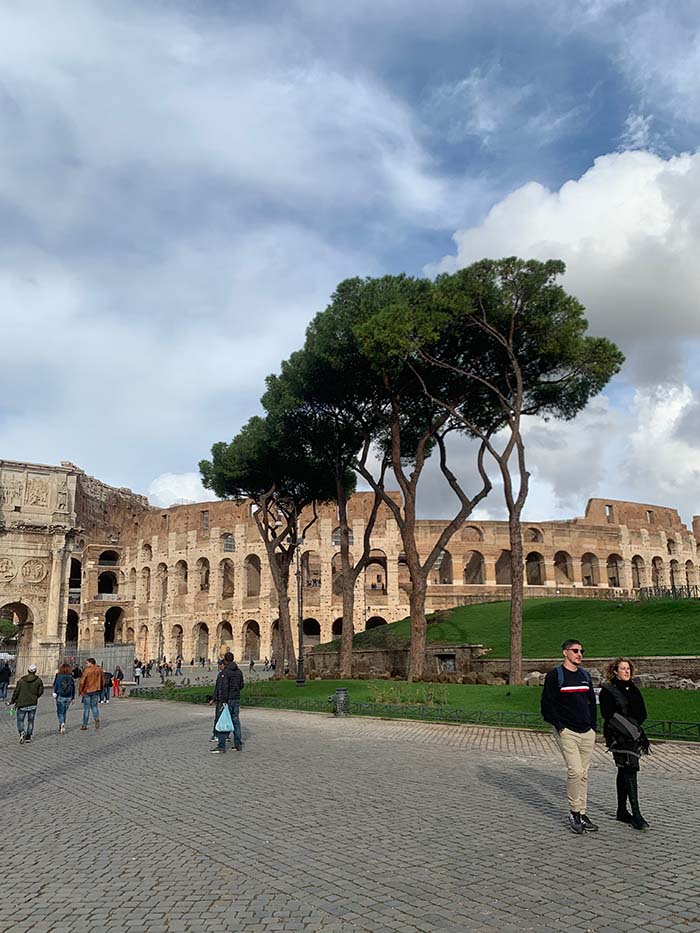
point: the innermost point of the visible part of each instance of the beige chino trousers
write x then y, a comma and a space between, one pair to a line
577, 751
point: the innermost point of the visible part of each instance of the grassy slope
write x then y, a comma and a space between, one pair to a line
659, 627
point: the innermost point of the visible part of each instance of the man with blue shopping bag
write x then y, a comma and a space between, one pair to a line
228, 694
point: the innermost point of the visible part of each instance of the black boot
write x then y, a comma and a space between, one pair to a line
623, 814
638, 820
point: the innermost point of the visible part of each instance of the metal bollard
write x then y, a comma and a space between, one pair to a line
340, 702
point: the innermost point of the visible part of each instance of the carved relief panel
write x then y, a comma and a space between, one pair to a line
11, 490
8, 570
36, 495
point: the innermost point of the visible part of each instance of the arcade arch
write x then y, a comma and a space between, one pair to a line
251, 640
252, 573
534, 569
473, 568
563, 569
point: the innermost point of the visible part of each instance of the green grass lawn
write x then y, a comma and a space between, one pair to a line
680, 705
606, 628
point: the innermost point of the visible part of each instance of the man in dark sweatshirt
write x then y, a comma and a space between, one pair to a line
228, 692
569, 704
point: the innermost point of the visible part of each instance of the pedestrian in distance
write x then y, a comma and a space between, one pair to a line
138, 671
217, 704
77, 672
64, 694
5, 675
623, 710
90, 689
117, 682
25, 698
228, 692
251, 667
569, 705
107, 689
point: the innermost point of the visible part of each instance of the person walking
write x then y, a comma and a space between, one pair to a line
90, 688
137, 674
5, 675
623, 710
107, 689
228, 687
64, 693
218, 704
569, 704
25, 698
117, 682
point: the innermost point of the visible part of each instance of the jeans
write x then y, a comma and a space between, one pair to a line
62, 704
105, 693
30, 713
90, 701
3, 691
234, 707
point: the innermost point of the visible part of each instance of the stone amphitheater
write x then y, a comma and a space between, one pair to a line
84, 565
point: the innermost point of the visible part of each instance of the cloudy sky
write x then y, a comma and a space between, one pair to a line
182, 184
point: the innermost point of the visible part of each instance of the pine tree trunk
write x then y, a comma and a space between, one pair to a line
416, 661
516, 600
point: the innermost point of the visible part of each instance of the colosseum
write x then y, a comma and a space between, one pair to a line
84, 565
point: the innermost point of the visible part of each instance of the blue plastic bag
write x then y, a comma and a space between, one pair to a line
224, 723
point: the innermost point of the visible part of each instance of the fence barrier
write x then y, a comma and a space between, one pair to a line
670, 592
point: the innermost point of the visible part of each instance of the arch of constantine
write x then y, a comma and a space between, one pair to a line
83, 564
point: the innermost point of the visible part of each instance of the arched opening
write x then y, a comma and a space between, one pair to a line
311, 569
177, 640
224, 636
162, 576
404, 573
18, 613
375, 571
442, 568
675, 573
203, 574
75, 580
312, 633
252, 571
590, 570
563, 569
251, 640
374, 622
276, 640
658, 576
181, 578
689, 573
72, 625
85, 638
200, 641
533, 535
671, 546
534, 569
142, 645
113, 625
147, 553
337, 628
472, 533
337, 573
638, 572
226, 578
503, 570
614, 570
132, 583
108, 559
130, 636
228, 543
335, 537
473, 568
146, 583
107, 583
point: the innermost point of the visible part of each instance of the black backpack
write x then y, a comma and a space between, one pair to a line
65, 688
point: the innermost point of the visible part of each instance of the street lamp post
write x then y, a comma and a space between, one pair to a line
301, 677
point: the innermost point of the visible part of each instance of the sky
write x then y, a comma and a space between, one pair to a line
183, 184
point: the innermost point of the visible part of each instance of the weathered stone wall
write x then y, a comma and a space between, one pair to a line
453, 660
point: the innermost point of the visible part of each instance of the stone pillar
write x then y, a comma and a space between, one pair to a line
489, 570
57, 588
392, 580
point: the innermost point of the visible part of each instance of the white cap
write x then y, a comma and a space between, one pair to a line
32, 668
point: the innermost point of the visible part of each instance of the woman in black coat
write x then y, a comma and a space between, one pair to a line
622, 697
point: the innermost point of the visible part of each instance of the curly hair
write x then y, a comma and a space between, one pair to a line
65, 668
611, 669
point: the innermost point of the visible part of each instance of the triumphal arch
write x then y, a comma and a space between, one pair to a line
84, 565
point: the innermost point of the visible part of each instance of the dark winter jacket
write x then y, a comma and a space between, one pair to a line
571, 705
623, 697
229, 684
67, 680
5, 674
27, 691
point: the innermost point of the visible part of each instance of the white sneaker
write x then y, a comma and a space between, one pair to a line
62, 728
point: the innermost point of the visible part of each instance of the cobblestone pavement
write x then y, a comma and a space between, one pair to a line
331, 825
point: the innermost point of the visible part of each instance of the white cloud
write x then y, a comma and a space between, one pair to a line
629, 231
173, 488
